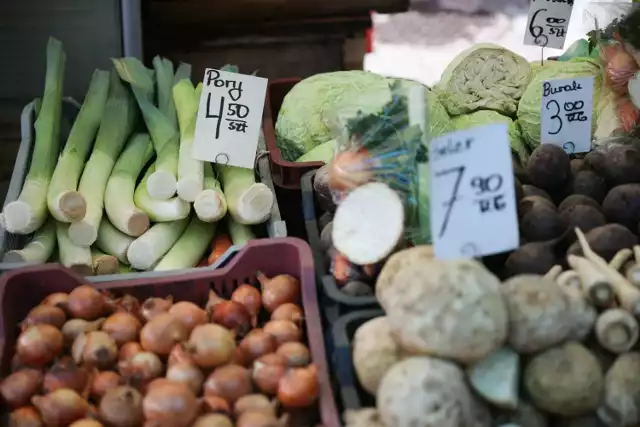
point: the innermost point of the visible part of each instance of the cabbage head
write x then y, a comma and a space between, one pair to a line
485, 117
530, 106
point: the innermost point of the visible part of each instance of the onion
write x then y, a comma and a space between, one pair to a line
102, 383
45, 314
254, 403
87, 422
210, 345
258, 419
297, 354
283, 331
61, 407
189, 314
172, 403
288, 311
216, 404
230, 382
162, 333
278, 290
86, 303
214, 299
39, 344
74, 327
250, 297
27, 416
122, 327
142, 368
57, 299
17, 364
121, 407
188, 374
233, 316
128, 350
154, 306
238, 358
179, 354
213, 420
299, 387
65, 374
18, 388
156, 383
257, 343
127, 304
100, 350
267, 372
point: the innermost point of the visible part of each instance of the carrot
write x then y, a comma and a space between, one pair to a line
627, 113
341, 268
219, 245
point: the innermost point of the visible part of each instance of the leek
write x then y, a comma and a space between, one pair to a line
248, 202
29, 212
118, 198
182, 72
164, 135
77, 258
119, 120
190, 247
147, 249
39, 249
103, 263
164, 82
113, 242
190, 170
210, 205
159, 210
65, 203
240, 234
123, 269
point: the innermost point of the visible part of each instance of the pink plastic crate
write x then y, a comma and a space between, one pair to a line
23, 289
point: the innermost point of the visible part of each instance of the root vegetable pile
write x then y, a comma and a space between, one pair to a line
92, 359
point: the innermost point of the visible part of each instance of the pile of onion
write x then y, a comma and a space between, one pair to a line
92, 359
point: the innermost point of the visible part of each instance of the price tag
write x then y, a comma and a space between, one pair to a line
229, 118
473, 208
566, 113
548, 22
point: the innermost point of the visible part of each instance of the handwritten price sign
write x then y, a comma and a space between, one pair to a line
548, 22
473, 209
566, 113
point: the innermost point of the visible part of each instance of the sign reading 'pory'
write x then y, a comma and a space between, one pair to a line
548, 22
229, 118
566, 113
473, 208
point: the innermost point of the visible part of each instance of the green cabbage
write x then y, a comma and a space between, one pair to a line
529, 108
484, 77
485, 117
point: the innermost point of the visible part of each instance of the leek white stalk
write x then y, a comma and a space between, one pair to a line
190, 247
164, 135
39, 249
159, 210
77, 258
119, 120
248, 202
29, 212
113, 241
65, 203
118, 197
210, 205
147, 249
103, 263
190, 170
240, 234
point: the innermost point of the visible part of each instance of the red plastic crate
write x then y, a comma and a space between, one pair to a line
285, 174
23, 289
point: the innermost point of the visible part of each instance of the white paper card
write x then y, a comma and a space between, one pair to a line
566, 113
548, 22
473, 208
229, 118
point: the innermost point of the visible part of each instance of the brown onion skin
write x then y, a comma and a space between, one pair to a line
74, 327
61, 408
278, 290
299, 387
289, 311
179, 354
18, 388
86, 303
188, 374
123, 327
65, 374
283, 331
57, 299
230, 382
257, 343
154, 306
250, 297
189, 314
127, 304
102, 382
27, 416
45, 314
216, 404
257, 419
233, 316
162, 333
254, 403
128, 350
39, 345
171, 403
100, 350
213, 300
268, 371
210, 345
296, 353
121, 407
213, 420
141, 369
87, 422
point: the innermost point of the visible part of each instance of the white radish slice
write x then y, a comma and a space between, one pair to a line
495, 378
